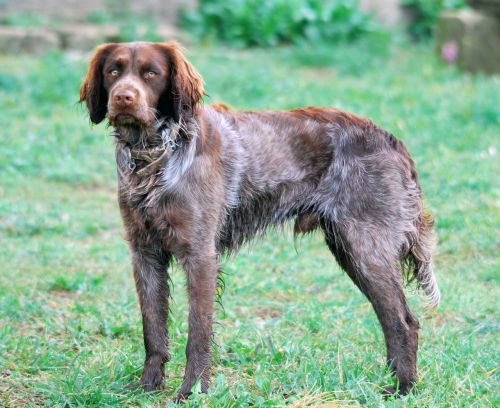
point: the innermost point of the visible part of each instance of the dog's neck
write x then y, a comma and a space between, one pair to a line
147, 148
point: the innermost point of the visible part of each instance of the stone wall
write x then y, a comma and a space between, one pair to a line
68, 26
166, 11
387, 11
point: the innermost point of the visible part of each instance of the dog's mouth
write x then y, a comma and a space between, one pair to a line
125, 119
132, 129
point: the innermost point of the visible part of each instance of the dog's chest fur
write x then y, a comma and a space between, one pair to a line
144, 200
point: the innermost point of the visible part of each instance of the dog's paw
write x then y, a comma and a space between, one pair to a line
189, 387
153, 379
181, 397
395, 392
389, 392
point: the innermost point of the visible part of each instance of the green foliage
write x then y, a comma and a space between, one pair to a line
102, 16
8, 82
25, 20
132, 27
424, 14
270, 22
294, 329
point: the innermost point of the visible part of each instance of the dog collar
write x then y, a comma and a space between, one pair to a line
155, 156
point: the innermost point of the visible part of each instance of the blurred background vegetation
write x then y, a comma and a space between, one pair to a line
256, 22
294, 330
268, 23
238, 22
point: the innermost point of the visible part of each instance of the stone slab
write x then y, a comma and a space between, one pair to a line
32, 41
163, 11
486, 6
470, 39
77, 37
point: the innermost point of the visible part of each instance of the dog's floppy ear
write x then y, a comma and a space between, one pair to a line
92, 90
185, 85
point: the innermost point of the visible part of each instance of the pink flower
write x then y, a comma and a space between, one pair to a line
449, 52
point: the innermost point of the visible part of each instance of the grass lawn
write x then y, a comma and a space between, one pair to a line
294, 329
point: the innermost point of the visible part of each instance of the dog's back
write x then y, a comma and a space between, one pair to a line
327, 168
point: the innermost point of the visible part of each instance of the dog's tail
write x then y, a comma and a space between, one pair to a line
419, 260
418, 263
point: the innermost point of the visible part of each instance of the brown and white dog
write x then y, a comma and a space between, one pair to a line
196, 181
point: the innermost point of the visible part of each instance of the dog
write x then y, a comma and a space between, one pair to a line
197, 181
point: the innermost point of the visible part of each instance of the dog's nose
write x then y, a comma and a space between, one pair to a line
124, 98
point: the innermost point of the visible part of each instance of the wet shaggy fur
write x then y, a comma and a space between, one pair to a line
232, 175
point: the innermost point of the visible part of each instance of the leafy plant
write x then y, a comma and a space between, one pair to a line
424, 14
100, 17
267, 23
25, 20
131, 26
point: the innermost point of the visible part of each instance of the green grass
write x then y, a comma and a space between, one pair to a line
294, 329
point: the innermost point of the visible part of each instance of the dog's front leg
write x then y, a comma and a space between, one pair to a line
201, 279
151, 279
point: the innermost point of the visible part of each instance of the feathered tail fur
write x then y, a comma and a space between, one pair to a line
419, 265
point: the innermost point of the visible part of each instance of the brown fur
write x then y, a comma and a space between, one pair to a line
232, 175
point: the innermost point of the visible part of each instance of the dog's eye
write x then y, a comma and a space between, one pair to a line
114, 72
150, 74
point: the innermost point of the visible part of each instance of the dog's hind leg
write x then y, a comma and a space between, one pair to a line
362, 253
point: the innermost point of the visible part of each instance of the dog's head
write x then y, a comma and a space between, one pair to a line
136, 83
